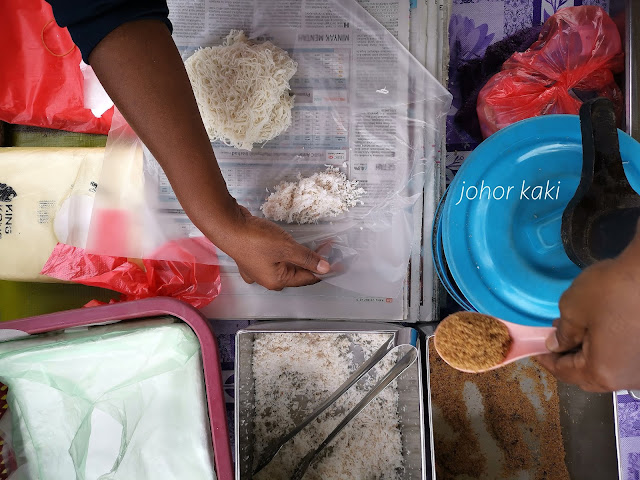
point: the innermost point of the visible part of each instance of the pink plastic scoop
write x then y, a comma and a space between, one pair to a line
525, 342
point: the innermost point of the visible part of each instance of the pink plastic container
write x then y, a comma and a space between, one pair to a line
147, 308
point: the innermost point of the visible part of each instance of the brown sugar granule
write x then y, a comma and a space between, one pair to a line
460, 455
472, 341
551, 433
529, 439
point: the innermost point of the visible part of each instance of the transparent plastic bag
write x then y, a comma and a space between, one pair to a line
133, 408
363, 104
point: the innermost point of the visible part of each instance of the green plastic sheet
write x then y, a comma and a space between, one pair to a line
112, 402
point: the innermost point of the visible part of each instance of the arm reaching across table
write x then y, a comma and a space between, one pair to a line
141, 69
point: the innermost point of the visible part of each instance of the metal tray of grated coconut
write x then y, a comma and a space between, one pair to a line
285, 370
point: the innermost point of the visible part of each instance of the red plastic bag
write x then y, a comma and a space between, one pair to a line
193, 283
41, 83
578, 52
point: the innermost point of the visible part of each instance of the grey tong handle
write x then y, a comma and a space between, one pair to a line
401, 337
401, 365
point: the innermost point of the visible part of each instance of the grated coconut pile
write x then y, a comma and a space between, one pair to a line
293, 373
310, 199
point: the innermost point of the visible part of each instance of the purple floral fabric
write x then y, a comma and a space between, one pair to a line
633, 466
629, 436
467, 41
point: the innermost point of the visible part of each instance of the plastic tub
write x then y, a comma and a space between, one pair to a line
146, 309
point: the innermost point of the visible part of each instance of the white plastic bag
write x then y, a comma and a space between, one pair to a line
363, 104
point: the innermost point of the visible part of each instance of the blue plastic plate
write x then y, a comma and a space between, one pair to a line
505, 252
440, 261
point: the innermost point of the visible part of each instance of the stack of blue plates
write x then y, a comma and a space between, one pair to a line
441, 262
496, 237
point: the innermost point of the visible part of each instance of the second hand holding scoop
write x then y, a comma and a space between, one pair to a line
515, 342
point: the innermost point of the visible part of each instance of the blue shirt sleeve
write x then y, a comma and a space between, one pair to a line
89, 21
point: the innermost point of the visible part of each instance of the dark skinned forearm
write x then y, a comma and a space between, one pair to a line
142, 71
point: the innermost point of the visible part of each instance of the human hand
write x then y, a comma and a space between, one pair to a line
142, 71
267, 255
600, 317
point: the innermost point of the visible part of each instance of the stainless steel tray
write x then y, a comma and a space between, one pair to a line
410, 406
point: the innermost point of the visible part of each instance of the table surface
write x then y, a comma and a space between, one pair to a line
487, 21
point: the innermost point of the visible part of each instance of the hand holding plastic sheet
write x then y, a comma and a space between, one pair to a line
363, 104
575, 58
133, 407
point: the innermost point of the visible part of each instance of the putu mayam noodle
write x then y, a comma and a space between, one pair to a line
242, 90
322, 195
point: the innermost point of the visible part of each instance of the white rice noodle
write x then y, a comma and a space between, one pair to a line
242, 90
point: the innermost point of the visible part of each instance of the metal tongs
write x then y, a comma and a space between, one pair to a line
404, 336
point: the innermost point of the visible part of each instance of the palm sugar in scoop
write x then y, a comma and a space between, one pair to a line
472, 342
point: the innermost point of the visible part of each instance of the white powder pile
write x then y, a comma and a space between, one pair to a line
322, 195
242, 90
293, 373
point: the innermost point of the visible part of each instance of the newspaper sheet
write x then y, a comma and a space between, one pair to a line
207, 22
328, 84
428, 36
434, 25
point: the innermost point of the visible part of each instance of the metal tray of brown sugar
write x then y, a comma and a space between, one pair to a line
517, 423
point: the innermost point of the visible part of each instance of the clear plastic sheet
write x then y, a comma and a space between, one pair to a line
109, 403
363, 104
